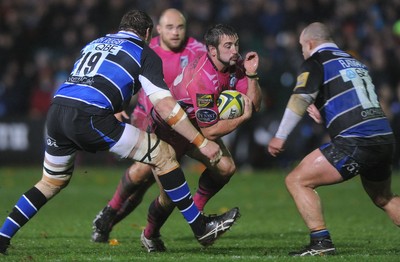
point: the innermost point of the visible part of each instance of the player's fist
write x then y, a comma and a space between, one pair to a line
251, 63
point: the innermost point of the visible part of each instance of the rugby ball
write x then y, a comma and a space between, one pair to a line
230, 104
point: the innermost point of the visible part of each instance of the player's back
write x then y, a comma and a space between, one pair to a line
104, 74
348, 100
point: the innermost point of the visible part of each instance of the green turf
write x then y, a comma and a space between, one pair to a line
269, 228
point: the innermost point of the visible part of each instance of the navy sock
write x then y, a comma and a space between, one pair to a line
320, 234
27, 206
176, 187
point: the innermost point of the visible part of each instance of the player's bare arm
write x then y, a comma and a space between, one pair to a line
254, 91
177, 119
226, 126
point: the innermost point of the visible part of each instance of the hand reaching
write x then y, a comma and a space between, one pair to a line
121, 116
313, 112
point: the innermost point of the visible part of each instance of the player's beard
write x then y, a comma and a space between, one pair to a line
225, 63
173, 47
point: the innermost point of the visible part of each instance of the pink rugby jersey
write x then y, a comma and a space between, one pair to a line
198, 88
173, 63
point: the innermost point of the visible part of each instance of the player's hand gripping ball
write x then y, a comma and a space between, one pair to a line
230, 104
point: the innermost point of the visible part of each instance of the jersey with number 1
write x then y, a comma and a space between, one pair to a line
346, 97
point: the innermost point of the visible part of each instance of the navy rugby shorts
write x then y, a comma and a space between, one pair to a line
70, 129
373, 162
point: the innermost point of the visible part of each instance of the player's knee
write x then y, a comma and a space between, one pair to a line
291, 182
57, 172
165, 160
381, 201
140, 173
227, 167
50, 185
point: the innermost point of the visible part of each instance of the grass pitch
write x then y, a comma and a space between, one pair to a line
269, 228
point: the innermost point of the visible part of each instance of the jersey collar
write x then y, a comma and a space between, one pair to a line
126, 34
324, 45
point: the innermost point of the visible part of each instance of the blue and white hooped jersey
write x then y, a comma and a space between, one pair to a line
109, 71
346, 96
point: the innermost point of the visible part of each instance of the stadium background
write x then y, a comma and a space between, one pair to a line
39, 41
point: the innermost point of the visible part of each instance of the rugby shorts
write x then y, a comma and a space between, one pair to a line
70, 129
373, 162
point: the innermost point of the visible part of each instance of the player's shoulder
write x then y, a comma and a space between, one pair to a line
195, 45
154, 42
205, 64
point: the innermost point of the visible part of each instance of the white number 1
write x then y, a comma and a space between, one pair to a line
363, 84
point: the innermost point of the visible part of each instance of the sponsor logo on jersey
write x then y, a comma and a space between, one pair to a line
84, 80
232, 80
372, 113
302, 80
206, 115
205, 100
184, 60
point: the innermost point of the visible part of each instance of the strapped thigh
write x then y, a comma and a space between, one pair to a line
58, 167
150, 148
154, 151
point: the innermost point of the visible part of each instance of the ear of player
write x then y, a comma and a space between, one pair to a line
230, 104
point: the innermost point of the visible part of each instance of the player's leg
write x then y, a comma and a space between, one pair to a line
313, 171
159, 211
211, 181
147, 148
57, 171
214, 177
135, 176
376, 179
136, 197
128, 195
58, 166
382, 196
133, 184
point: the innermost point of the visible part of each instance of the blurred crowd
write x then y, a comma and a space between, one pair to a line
40, 39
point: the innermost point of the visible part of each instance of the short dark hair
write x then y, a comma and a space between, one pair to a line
137, 21
214, 33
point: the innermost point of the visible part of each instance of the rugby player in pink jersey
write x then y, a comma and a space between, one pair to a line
197, 90
175, 50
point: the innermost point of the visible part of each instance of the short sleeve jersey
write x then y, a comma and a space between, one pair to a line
198, 87
346, 96
109, 71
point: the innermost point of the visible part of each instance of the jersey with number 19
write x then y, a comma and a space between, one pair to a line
346, 97
109, 71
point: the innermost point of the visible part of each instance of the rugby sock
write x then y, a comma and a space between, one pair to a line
208, 187
132, 202
320, 234
27, 206
124, 190
176, 187
156, 218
